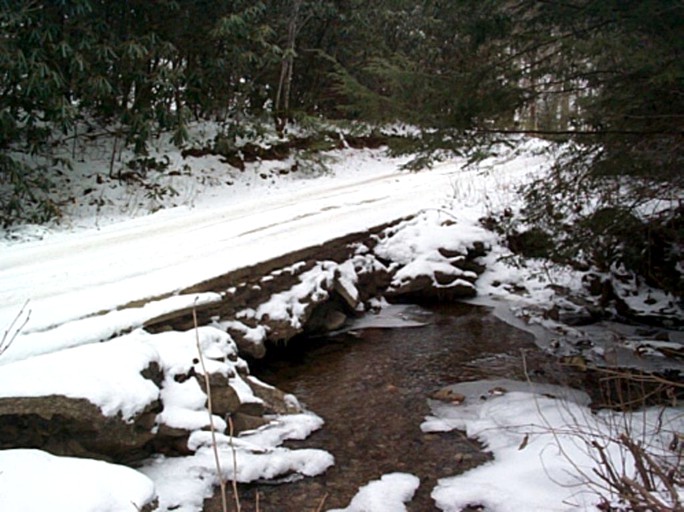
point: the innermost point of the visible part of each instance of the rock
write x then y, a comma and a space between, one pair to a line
451, 254
461, 290
244, 422
224, 399
282, 330
449, 396
497, 391
445, 279
249, 340
477, 250
74, 426
468, 265
411, 286
326, 317
334, 320
577, 316
594, 284
252, 408
167, 431
275, 400
423, 289
373, 282
347, 292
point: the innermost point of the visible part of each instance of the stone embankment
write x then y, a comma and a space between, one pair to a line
310, 291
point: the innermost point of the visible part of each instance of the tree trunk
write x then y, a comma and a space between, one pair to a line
282, 103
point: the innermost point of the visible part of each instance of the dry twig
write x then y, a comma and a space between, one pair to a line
207, 383
14, 328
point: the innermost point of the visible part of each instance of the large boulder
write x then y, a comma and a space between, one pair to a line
133, 396
431, 259
317, 302
75, 426
98, 400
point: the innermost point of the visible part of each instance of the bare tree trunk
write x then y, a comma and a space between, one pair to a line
564, 121
282, 103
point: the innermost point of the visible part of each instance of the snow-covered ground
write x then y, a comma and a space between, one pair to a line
225, 219
68, 274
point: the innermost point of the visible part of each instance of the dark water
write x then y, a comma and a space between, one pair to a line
371, 390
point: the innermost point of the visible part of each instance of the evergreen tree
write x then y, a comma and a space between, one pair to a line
622, 63
606, 74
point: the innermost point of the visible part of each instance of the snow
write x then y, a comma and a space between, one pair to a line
35, 481
540, 437
184, 482
72, 274
289, 306
108, 375
99, 327
419, 239
116, 387
77, 341
389, 494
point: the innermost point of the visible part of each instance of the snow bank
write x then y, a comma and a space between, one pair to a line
99, 328
35, 481
414, 245
108, 375
540, 437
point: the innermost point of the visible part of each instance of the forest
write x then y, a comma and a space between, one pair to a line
601, 77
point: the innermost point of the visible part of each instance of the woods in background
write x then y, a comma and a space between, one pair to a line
606, 74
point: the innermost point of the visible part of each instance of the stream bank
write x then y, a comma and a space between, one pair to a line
372, 385
285, 305
232, 316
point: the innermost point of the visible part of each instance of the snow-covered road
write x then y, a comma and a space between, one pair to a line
72, 274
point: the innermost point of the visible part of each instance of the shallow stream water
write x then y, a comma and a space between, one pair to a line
371, 387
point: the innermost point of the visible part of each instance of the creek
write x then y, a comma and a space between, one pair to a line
371, 386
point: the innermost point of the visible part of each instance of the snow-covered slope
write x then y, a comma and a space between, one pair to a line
70, 274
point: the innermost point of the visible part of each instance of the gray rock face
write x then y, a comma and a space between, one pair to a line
248, 338
326, 317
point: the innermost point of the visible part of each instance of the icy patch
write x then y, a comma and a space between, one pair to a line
391, 316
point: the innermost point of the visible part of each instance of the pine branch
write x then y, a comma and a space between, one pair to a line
583, 133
